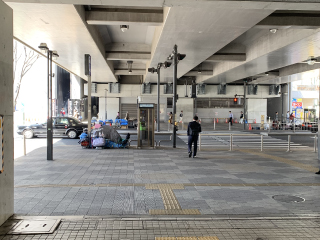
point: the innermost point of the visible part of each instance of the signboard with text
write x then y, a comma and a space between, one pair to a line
297, 105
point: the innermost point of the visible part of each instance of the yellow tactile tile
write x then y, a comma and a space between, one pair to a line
164, 186
283, 160
174, 212
169, 199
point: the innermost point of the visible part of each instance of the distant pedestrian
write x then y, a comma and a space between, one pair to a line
288, 116
230, 117
62, 112
181, 117
170, 118
118, 116
276, 117
127, 116
241, 117
194, 128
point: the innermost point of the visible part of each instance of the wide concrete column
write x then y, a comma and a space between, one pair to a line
6, 109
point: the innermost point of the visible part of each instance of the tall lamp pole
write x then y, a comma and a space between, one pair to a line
50, 55
176, 57
157, 70
87, 69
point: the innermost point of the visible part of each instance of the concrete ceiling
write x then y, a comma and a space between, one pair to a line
226, 40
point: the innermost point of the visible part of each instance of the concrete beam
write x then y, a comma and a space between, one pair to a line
282, 21
128, 47
196, 73
124, 16
134, 72
227, 57
310, 5
138, 56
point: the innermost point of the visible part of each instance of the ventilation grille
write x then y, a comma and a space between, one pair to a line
168, 88
93, 88
274, 89
252, 89
201, 89
146, 88
114, 87
222, 89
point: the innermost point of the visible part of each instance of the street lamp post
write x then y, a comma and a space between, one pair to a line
176, 57
50, 55
153, 70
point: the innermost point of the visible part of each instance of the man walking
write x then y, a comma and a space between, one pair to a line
241, 117
194, 128
181, 117
230, 117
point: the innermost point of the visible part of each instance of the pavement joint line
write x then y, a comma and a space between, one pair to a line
179, 186
283, 160
188, 238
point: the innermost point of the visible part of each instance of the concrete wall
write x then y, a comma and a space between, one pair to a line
6, 109
130, 93
113, 107
75, 88
256, 108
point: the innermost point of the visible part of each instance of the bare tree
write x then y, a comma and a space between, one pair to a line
30, 57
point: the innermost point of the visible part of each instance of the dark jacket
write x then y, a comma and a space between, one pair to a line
194, 128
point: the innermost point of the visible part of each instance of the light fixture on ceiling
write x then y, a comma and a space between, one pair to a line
311, 60
273, 30
124, 28
129, 66
267, 74
55, 55
200, 68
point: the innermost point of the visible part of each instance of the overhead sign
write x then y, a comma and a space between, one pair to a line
87, 65
1, 145
297, 104
146, 105
308, 87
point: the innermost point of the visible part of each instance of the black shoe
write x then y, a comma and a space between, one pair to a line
318, 172
190, 153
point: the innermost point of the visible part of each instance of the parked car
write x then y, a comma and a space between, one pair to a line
62, 126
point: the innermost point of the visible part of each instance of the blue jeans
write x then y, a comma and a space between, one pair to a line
194, 140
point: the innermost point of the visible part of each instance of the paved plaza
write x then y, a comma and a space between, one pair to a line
148, 193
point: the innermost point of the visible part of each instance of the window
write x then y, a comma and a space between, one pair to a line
62, 121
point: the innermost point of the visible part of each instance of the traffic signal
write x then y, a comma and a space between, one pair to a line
235, 100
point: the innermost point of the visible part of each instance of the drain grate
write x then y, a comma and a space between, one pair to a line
288, 198
35, 227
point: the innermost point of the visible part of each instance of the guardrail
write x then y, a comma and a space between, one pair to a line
261, 147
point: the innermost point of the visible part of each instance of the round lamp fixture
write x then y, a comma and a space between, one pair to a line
124, 28
273, 30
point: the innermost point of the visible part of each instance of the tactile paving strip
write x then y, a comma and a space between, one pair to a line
174, 212
169, 199
164, 186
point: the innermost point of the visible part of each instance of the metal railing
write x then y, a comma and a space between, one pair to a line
261, 146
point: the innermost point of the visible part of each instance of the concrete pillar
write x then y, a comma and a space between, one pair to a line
289, 97
284, 98
6, 109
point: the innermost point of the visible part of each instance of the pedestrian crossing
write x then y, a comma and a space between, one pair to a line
250, 141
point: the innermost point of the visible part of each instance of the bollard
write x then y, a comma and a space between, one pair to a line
24, 145
168, 126
231, 147
315, 144
182, 125
199, 142
294, 126
289, 141
214, 124
261, 143
229, 126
